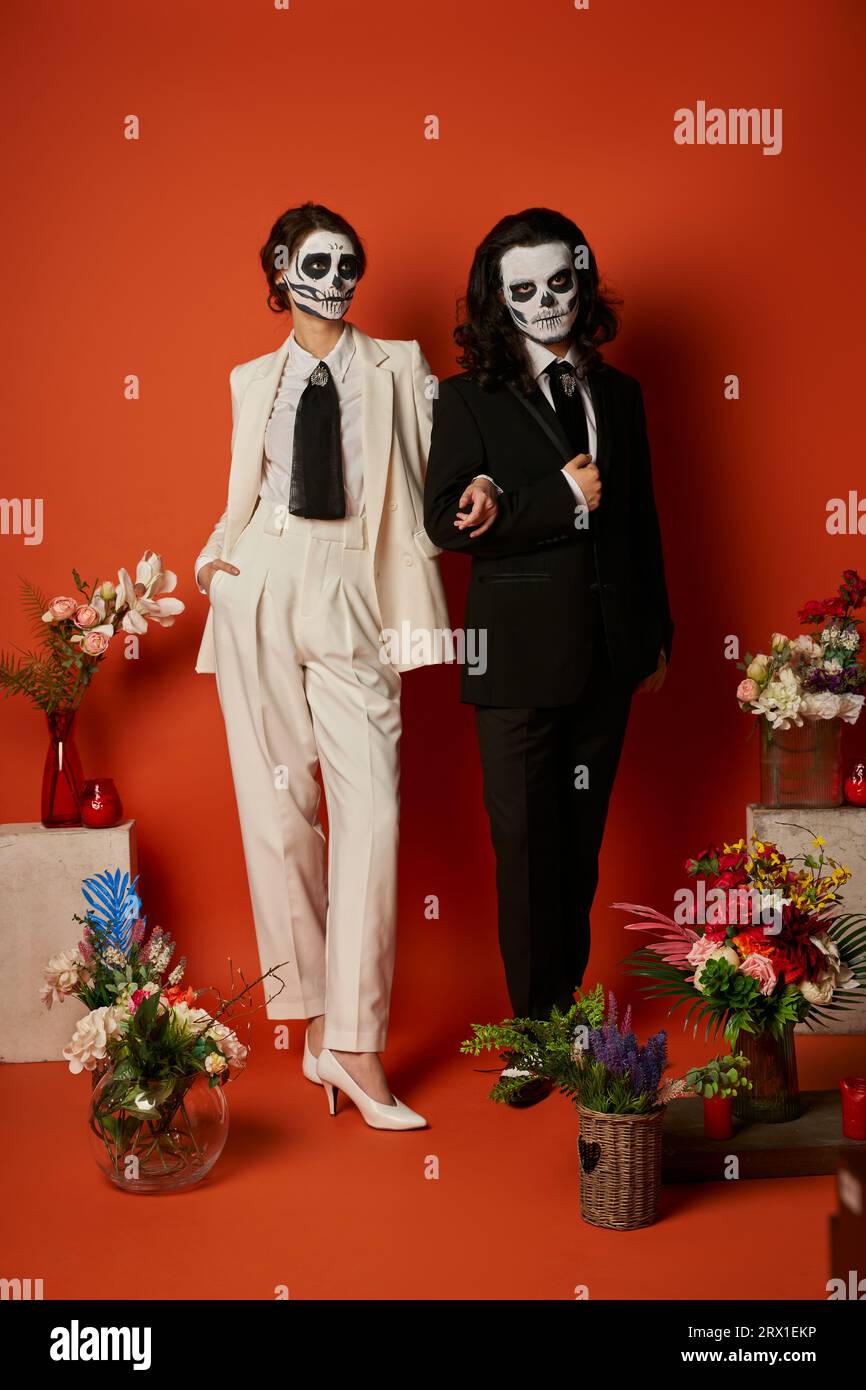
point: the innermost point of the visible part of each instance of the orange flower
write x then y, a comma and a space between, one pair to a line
175, 995
752, 944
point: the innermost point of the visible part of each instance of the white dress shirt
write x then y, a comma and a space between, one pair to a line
540, 359
345, 368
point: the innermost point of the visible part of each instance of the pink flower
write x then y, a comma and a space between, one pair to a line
760, 968
60, 607
95, 643
704, 947
86, 615
747, 691
138, 996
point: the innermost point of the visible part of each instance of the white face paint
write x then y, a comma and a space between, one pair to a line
323, 274
540, 288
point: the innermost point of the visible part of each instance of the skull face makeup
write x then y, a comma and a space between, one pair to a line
322, 277
540, 288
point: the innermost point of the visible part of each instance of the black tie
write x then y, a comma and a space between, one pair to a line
317, 457
568, 404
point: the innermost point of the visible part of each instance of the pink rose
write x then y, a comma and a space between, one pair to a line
62, 606
747, 691
702, 949
95, 643
86, 615
760, 969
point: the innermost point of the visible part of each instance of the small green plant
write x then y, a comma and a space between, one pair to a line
721, 1076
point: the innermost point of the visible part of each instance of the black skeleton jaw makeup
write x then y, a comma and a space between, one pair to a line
323, 275
541, 291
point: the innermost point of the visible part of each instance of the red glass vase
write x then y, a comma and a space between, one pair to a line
100, 803
62, 778
855, 785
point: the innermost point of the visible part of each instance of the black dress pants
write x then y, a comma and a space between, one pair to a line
548, 776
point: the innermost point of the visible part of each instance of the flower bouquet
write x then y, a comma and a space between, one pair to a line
802, 691
759, 947
616, 1085
159, 1063
75, 633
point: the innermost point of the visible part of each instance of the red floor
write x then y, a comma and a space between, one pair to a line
330, 1209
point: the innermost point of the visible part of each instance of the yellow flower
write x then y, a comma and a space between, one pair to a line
819, 841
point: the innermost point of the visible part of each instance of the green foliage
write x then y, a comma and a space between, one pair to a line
592, 1085
543, 1047
552, 1049
721, 1076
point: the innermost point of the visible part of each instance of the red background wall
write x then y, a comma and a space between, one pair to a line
141, 257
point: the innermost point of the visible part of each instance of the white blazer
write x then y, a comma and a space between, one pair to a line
396, 423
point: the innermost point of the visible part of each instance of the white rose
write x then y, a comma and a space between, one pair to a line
819, 991
229, 1044
89, 1043
63, 974
850, 707
195, 1020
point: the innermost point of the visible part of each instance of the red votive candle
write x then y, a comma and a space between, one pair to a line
100, 804
854, 1107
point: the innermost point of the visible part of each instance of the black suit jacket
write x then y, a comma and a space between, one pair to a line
536, 577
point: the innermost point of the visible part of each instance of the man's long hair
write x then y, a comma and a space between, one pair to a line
490, 343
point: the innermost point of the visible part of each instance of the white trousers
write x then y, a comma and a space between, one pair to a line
301, 686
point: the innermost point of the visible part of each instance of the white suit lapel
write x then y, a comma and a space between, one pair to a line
248, 456
377, 416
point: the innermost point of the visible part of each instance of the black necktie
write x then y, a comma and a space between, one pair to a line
317, 457
568, 404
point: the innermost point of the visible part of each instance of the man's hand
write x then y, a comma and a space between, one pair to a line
650, 685
480, 500
585, 474
207, 572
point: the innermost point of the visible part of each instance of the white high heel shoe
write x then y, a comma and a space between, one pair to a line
335, 1078
309, 1064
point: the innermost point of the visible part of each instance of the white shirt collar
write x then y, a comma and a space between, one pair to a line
337, 361
540, 357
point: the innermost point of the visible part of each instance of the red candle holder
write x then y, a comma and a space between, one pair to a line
718, 1117
100, 804
855, 785
853, 1106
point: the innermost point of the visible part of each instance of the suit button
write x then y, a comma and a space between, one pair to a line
407, 559
392, 506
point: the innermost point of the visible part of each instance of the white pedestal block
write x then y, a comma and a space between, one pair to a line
793, 828
41, 872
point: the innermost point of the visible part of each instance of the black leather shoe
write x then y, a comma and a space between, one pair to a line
534, 1089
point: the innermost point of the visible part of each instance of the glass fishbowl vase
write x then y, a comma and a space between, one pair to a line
157, 1136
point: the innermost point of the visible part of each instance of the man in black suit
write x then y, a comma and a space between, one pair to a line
539, 469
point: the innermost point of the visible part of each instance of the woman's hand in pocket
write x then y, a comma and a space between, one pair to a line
207, 572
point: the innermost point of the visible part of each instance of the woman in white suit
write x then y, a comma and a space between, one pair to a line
318, 561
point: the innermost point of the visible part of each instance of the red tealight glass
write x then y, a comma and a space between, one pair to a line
718, 1117
855, 785
853, 1106
100, 804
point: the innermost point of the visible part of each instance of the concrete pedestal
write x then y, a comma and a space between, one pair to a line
41, 872
793, 829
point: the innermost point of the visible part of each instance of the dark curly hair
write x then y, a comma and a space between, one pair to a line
490, 343
286, 234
